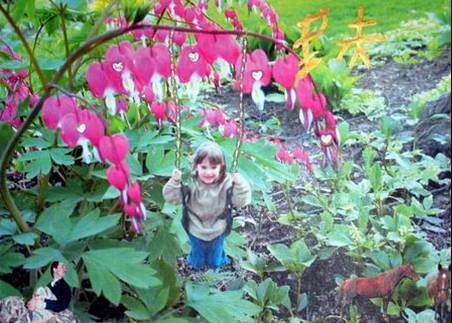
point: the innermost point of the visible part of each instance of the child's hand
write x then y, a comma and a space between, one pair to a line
177, 175
236, 178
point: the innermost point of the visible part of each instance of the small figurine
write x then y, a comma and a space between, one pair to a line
379, 286
48, 304
438, 289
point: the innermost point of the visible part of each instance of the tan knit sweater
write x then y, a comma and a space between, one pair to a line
208, 202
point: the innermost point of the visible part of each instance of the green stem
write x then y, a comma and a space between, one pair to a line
66, 44
43, 187
21, 36
289, 200
298, 290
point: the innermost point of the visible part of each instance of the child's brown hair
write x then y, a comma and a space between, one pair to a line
215, 155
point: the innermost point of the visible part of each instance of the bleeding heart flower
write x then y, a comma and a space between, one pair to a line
159, 112
101, 86
212, 117
330, 147
120, 68
56, 107
155, 65
229, 129
313, 106
192, 67
283, 156
161, 35
118, 175
114, 148
192, 64
134, 192
284, 72
80, 128
303, 157
179, 38
214, 47
95, 129
257, 74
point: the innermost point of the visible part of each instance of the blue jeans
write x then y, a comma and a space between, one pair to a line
208, 254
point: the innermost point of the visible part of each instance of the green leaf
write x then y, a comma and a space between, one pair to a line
164, 246
275, 98
303, 302
42, 257
92, 224
281, 252
55, 222
14, 64
339, 237
8, 290
39, 162
135, 309
26, 238
19, 9
60, 157
107, 266
10, 260
6, 133
161, 165
422, 255
376, 177
219, 307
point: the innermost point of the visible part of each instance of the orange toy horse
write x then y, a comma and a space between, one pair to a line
438, 289
379, 286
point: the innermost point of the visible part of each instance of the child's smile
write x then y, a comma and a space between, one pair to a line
208, 173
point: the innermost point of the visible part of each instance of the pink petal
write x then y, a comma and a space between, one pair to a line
114, 148
118, 175
134, 192
285, 71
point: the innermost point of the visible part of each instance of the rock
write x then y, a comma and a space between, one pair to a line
430, 127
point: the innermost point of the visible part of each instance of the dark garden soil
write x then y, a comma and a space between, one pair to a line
398, 83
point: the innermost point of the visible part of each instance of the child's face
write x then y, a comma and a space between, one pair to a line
208, 173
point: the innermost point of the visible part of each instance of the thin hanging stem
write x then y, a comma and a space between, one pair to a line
235, 158
177, 118
66, 43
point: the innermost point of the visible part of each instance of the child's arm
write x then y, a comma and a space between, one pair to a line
241, 194
172, 189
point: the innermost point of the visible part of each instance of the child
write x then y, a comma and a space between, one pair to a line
206, 203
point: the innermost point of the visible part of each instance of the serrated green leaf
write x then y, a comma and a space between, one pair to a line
55, 222
42, 257
60, 157
106, 266
26, 238
219, 307
8, 290
19, 9
92, 224
9, 261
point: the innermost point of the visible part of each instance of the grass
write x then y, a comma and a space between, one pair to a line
388, 13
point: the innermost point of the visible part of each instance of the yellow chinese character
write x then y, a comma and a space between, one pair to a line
310, 61
359, 40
